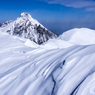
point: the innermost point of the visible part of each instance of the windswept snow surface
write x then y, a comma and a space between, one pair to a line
88, 86
40, 71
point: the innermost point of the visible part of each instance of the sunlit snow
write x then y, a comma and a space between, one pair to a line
61, 66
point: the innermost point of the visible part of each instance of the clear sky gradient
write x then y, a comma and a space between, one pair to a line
57, 15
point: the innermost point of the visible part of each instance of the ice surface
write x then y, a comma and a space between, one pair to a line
57, 67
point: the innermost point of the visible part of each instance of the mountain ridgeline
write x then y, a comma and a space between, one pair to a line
27, 27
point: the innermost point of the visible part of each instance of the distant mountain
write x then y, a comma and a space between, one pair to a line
27, 27
6, 23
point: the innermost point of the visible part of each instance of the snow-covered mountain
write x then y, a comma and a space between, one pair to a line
6, 23
27, 27
27, 68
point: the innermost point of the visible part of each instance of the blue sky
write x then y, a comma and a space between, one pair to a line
57, 15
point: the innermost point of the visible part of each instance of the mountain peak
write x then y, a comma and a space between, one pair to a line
27, 17
27, 27
24, 14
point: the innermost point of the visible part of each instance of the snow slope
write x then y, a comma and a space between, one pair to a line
81, 36
56, 44
27, 27
88, 86
40, 71
30, 43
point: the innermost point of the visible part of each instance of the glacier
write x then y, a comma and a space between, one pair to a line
61, 66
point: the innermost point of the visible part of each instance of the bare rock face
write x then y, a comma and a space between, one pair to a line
27, 27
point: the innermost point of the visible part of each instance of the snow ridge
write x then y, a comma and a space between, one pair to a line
80, 36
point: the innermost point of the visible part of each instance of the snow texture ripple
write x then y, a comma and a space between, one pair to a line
27, 70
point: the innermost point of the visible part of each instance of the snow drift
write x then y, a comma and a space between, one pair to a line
38, 70
55, 44
80, 36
